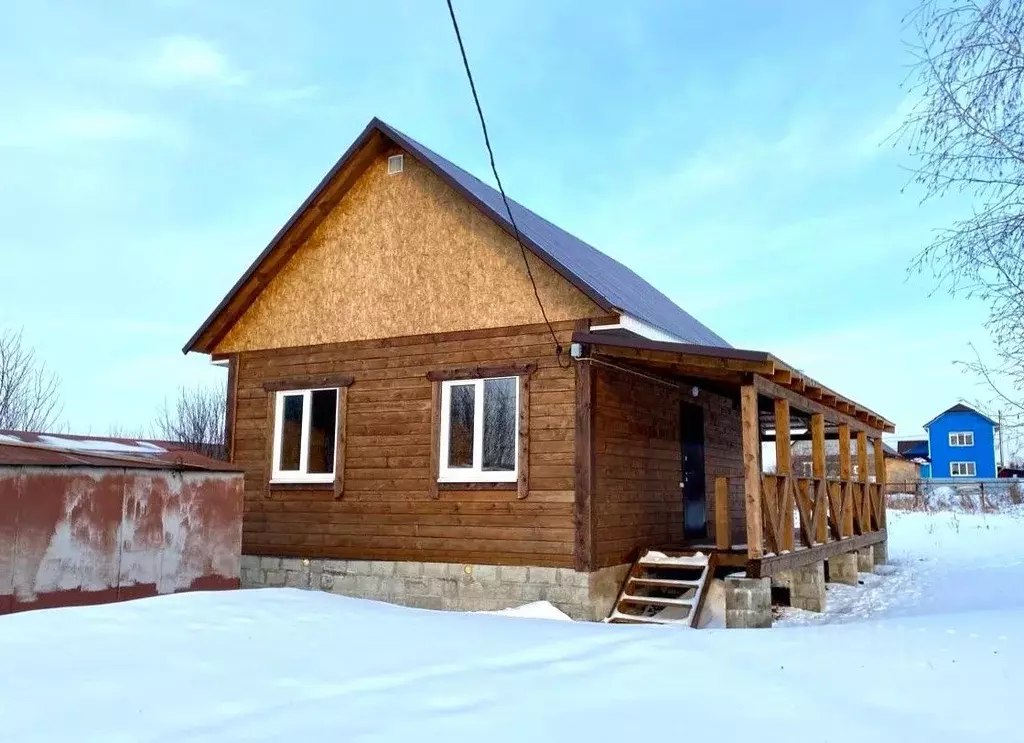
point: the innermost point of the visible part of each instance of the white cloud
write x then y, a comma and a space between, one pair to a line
184, 60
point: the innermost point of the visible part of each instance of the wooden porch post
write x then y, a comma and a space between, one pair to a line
862, 475
845, 489
784, 468
880, 479
752, 471
818, 472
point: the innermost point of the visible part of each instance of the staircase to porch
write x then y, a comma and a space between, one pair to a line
665, 588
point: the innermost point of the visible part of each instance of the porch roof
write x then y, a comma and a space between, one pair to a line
734, 367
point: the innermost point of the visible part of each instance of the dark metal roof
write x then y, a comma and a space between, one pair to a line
960, 408
21, 448
913, 448
607, 282
617, 285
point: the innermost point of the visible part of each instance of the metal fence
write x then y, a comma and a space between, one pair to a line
973, 495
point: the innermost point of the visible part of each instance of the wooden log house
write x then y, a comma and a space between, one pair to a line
412, 430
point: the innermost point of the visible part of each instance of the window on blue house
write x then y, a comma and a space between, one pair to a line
961, 438
962, 469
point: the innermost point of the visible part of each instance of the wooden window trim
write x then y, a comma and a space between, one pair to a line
308, 382
445, 486
522, 484
481, 372
285, 486
337, 484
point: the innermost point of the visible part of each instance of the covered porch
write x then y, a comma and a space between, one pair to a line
772, 524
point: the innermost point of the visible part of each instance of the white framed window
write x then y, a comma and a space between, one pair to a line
962, 469
961, 438
305, 435
396, 164
479, 430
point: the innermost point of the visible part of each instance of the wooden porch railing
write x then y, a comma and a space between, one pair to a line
801, 512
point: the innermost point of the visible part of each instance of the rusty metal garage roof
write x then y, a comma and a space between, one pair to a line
21, 448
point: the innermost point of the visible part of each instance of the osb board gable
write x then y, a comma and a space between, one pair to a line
401, 255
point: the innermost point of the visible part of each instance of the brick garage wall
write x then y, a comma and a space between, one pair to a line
440, 585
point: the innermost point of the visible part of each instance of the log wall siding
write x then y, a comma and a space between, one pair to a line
386, 511
638, 466
723, 456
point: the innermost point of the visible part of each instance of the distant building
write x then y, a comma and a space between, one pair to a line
916, 450
898, 468
961, 444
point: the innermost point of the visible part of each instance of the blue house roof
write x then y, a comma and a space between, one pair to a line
611, 285
961, 408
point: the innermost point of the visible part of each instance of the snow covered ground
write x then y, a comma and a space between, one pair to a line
933, 650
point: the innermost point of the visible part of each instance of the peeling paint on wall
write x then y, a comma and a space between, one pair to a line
91, 535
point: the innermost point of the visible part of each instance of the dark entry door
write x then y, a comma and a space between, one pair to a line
691, 434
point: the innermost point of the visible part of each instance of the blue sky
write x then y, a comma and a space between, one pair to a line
730, 152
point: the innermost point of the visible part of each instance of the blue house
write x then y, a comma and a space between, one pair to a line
961, 443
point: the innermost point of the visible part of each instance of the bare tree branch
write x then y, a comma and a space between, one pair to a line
29, 391
196, 419
967, 133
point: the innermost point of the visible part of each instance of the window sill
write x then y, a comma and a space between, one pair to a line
301, 485
491, 485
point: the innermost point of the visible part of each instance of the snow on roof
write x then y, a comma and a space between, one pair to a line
105, 445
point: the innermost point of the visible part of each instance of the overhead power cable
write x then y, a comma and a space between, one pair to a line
501, 189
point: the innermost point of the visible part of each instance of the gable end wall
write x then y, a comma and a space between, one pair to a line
401, 255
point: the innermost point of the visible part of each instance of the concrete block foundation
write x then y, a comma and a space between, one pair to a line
881, 552
806, 586
866, 560
450, 586
843, 569
748, 602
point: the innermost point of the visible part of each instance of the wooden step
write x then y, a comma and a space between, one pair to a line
619, 618
665, 582
627, 598
697, 564
641, 575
